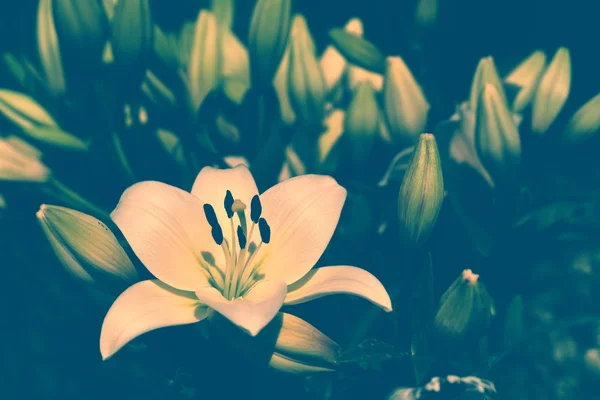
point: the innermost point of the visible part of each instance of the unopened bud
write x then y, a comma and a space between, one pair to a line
405, 105
49, 49
20, 161
206, 58
526, 76
422, 192
427, 12
465, 312
132, 36
357, 50
497, 139
485, 73
224, 11
585, 122
35, 121
86, 247
269, 31
236, 64
362, 123
82, 28
307, 87
552, 92
300, 33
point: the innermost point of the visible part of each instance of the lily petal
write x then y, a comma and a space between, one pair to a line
211, 185
143, 307
339, 280
303, 213
252, 312
166, 229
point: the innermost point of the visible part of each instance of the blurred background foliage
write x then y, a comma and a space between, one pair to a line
550, 260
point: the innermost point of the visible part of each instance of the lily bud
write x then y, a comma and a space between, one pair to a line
427, 12
552, 92
485, 73
224, 11
306, 83
267, 40
49, 49
497, 139
465, 312
405, 105
527, 76
235, 58
204, 67
20, 161
82, 28
333, 64
86, 247
328, 141
288, 344
132, 35
422, 192
357, 50
35, 121
362, 123
300, 33
585, 122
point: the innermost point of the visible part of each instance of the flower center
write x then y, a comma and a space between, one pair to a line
240, 269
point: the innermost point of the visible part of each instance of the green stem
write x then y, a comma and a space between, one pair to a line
64, 193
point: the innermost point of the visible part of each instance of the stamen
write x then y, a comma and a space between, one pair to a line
217, 234
265, 230
241, 238
238, 205
255, 209
211, 217
228, 203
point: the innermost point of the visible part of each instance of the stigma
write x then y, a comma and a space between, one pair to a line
241, 265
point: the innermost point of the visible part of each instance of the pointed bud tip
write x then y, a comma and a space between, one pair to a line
469, 276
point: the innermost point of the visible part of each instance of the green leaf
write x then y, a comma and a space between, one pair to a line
357, 50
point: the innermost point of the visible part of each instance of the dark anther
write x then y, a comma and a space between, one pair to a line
255, 209
217, 234
241, 237
211, 217
265, 230
228, 204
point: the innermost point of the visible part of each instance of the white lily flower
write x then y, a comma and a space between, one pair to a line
209, 253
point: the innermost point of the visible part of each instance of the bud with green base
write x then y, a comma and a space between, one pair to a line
526, 76
82, 28
552, 92
585, 123
87, 248
497, 139
362, 123
405, 105
267, 39
464, 314
422, 192
307, 89
132, 38
486, 73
